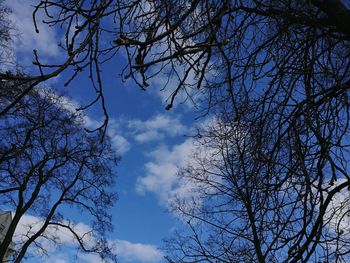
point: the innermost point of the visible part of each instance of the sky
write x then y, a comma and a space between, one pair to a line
152, 142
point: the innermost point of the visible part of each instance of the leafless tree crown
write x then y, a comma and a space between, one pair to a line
48, 163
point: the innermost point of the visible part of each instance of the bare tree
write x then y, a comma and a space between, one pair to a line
278, 70
49, 164
5, 35
260, 198
82, 26
234, 48
223, 47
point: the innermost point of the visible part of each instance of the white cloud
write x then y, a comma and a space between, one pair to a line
338, 212
165, 85
90, 258
58, 259
156, 128
26, 39
164, 178
119, 143
131, 252
29, 225
162, 172
126, 251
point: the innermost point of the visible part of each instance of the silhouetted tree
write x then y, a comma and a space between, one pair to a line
225, 48
267, 191
49, 164
5, 35
278, 71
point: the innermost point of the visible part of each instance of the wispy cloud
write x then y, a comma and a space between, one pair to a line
161, 176
164, 85
156, 128
25, 37
164, 173
132, 252
126, 251
59, 261
337, 213
119, 143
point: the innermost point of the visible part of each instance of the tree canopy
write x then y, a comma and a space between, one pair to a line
48, 164
202, 44
276, 72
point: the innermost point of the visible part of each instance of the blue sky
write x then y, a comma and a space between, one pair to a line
150, 140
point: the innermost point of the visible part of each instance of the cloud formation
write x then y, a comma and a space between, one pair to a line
119, 143
25, 37
180, 173
161, 176
156, 128
126, 251
132, 252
